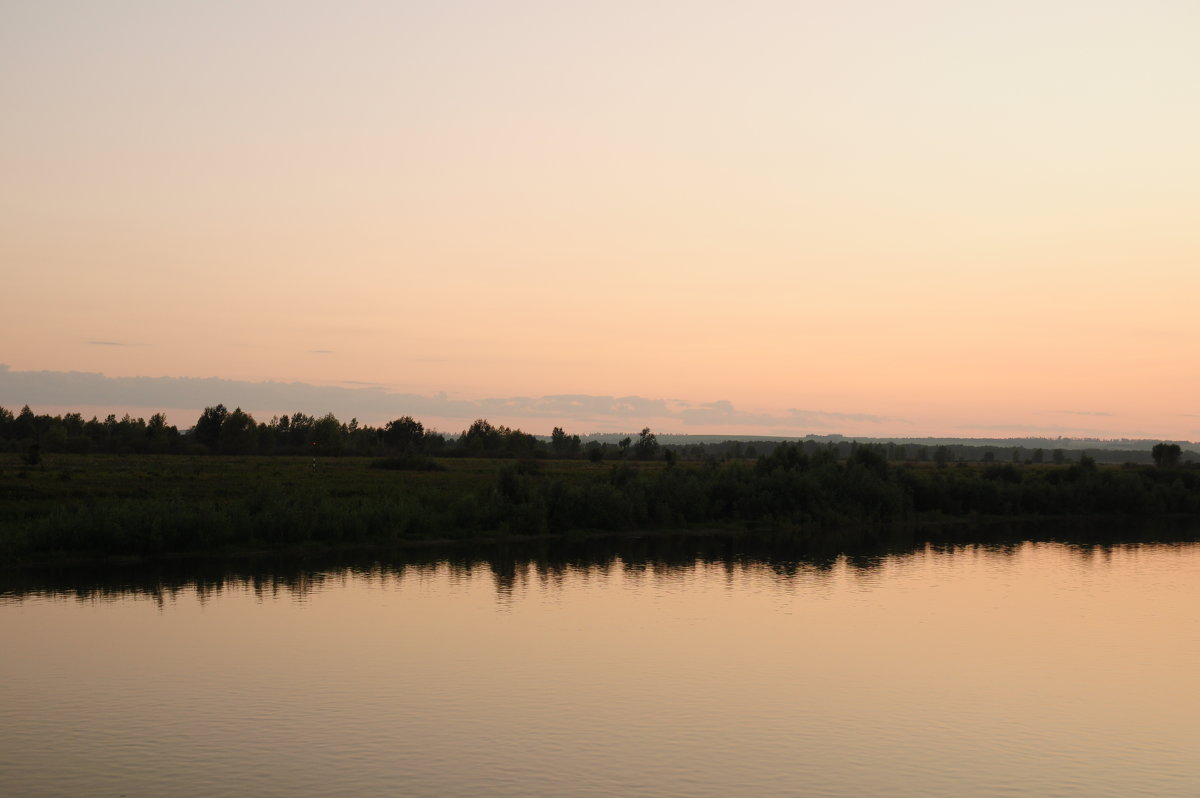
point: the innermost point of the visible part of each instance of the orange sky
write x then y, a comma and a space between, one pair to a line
952, 218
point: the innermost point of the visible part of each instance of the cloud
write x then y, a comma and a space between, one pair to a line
109, 343
371, 402
1085, 413
824, 417
90, 388
581, 405
723, 412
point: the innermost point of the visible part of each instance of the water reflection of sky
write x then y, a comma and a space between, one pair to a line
683, 667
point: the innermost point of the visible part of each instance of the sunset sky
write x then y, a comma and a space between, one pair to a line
897, 218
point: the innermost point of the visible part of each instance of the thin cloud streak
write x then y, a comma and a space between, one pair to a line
183, 397
372, 402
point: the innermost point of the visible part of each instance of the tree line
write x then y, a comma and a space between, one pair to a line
219, 430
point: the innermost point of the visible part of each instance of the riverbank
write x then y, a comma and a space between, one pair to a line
108, 507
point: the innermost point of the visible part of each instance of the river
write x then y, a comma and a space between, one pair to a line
629, 669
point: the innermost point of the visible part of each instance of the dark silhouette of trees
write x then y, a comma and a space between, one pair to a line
158, 434
942, 456
299, 432
24, 425
1166, 455
327, 434
208, 427
70, 433
482, 439
237, 435
647, 446
595, 451
404, 434
221, 431
563, 445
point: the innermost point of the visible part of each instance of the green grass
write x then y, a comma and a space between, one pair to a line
91, 506
97, 505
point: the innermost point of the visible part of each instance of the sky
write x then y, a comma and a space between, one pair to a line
874, 218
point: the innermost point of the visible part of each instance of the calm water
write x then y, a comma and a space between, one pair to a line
1037, 669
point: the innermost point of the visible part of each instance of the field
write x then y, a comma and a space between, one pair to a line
97, 506
88, 505
67, 478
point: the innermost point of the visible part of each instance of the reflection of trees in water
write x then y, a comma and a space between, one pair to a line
551, 562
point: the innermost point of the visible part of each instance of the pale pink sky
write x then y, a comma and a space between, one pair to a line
950, 218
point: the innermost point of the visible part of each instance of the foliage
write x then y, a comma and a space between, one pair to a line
647, 445
93, 505
563, 445
221, 431
1166, 455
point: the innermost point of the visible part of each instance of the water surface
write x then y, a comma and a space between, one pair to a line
1032, 669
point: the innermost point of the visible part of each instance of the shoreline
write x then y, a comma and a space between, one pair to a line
102, 510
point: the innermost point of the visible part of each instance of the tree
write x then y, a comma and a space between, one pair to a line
158, 434
1166, 455
942, 456
327, 435
481, 436
208, 427
562, 444
647, 445
300, 432
404, 434
25, 425
238, 433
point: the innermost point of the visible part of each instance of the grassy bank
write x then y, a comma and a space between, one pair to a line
104, 505
85, 506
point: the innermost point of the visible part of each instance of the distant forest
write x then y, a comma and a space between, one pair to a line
219, 430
